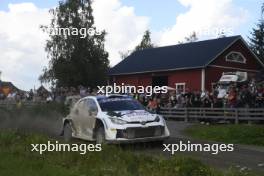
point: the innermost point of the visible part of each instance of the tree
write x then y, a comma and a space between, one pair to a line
75, 59
221, 34
125, 54
256, 41
145, 42
191, 38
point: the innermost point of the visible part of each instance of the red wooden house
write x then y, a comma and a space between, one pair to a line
196, 65
7, 87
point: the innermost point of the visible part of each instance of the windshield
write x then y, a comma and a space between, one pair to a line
120, 104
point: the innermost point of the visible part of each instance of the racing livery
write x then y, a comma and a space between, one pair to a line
113, 119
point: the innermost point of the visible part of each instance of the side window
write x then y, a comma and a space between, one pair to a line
91, 105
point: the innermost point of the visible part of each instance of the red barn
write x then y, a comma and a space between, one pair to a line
196, 65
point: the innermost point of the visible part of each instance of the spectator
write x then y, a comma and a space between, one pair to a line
82, 91
188, 97
196, 99
232, 97
260, 97
245, 97
205, 99
153, 104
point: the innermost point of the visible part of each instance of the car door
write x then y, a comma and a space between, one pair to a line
88, 116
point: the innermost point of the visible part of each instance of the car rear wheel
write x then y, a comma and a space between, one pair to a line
67, 132
100, 135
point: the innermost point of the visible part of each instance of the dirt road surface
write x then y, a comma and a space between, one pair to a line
243, 157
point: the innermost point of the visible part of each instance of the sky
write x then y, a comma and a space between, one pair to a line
22, 53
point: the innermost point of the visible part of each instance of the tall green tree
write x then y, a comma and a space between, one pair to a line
75, 59
256, 40
145, 42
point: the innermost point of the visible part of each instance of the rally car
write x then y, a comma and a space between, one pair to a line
113, 119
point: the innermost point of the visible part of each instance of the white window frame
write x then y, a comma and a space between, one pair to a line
239, 53
180, 84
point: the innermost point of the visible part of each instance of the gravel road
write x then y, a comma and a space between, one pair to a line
243, 157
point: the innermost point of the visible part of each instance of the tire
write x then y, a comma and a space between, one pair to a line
157, 143
67, 132
100, 135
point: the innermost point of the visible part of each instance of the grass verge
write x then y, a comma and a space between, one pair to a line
236, 134
18, 160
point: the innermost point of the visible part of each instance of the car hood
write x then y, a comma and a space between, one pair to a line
135, 116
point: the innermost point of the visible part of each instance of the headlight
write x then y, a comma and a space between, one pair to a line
157, 119
118, 121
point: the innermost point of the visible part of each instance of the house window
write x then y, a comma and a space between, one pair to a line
235, 57
180, 87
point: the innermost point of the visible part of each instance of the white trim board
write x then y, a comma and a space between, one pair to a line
233, 68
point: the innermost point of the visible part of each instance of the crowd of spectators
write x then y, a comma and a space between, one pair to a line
43, 95
245, 96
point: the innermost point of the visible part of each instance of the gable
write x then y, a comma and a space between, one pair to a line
239, 47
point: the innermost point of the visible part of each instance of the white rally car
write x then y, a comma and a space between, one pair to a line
113, 119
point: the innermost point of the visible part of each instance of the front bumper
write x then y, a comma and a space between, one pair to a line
138, 134
135, 140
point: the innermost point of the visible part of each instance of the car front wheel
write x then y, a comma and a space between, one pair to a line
100, 135
67, 132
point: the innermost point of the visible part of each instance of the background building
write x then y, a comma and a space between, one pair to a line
196, 65
6, 87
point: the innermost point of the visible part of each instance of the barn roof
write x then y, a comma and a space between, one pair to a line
8, 84
175, 57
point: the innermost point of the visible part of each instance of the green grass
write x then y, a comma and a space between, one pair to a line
18, 160
45, 109
236, 134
